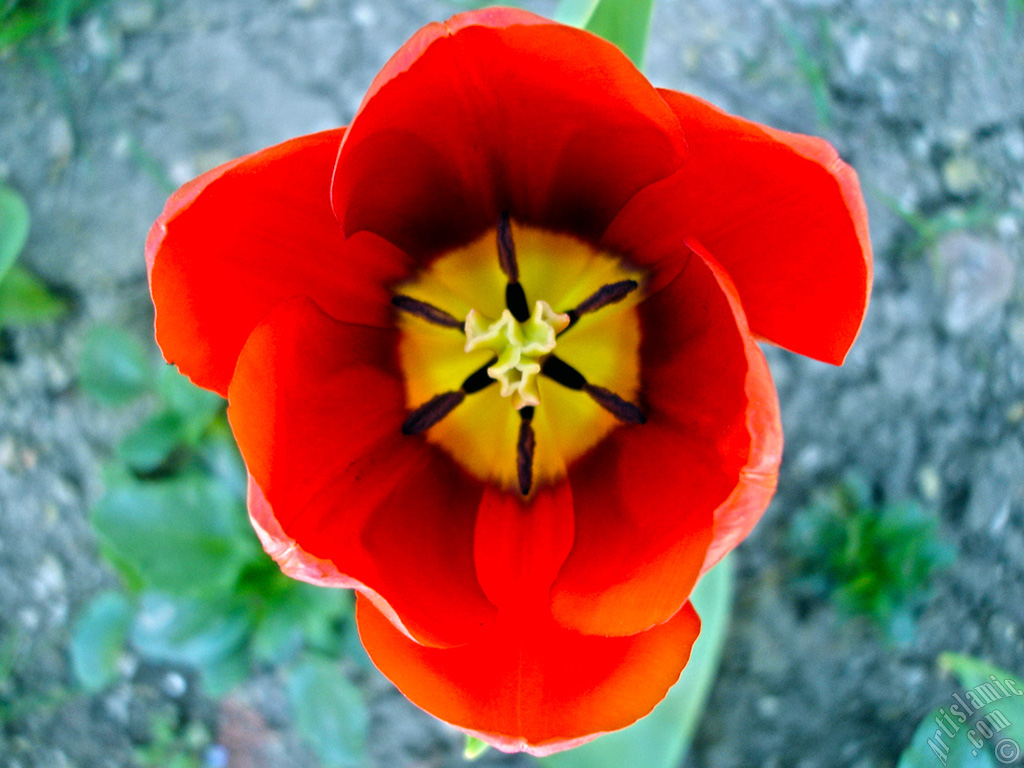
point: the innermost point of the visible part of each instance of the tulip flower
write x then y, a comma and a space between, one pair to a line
491, 358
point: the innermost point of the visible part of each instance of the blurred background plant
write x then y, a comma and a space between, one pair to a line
871, 560
198, 590
23, 20
24, 299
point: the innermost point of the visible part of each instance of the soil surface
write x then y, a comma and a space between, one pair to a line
925, 99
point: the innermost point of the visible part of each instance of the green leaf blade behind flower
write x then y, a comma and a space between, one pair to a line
660, 739
624, 23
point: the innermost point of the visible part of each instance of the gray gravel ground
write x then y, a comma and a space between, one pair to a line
926, 99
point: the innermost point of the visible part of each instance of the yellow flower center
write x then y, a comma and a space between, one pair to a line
567, 371
520, 348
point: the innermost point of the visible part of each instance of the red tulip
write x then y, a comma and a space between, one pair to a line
490, 356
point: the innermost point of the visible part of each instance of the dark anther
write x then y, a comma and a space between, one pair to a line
507, 249
524, 450
479, 378
602, 297
425, 311
623, 410
431, 412
557, 369
515, 300
515, 296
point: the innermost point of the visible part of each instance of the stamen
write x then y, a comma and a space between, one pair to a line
515, 296
431, 412
425, 311
524, 450
623, 410
507, 248
602, 297
559, 370
479, 378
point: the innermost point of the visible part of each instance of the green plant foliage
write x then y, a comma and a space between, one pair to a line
24, 300
167, 748
661, 739
575, 12
921, 753
21, 20
329, 712
182, 535
874, 561
113, 366
173, 524
813, 72
14, 223
625, 23
980, 726
98, 639
474, 748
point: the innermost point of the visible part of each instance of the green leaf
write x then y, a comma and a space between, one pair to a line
329, 712
986, 714
660, 740
186, 535
114, 368
98, 639
24, 300
196, 407
625, 23
932, 748
976, 676
14, 221
210, 634
301, 613
576, 13
149, 446
474, 748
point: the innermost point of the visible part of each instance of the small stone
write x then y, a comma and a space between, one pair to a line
134, 15
978, 275
60, 140
50, 577
1007, 226
768, 707
8, 453
856, 54
929, 482
364, 15
174, 685
181, 171
962, 175
102, 40
130, 71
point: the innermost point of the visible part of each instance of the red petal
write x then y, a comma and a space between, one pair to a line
653, 498
501, 110
784, 216
521, 545
317, 407
527, 683
234, 242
